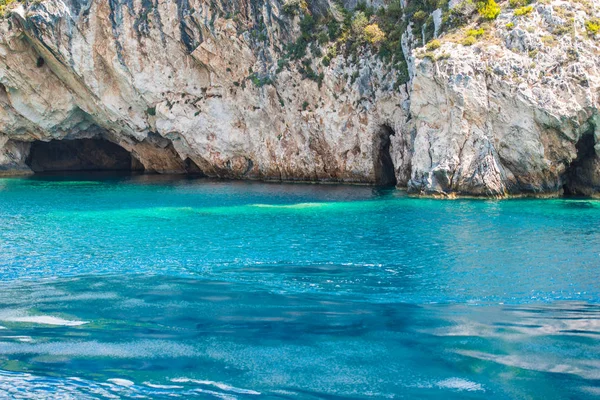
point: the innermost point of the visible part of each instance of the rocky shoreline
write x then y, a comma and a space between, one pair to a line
500, 108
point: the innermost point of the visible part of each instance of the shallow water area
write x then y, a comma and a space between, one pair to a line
140, 286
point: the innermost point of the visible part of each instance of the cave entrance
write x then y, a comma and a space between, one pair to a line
80, 155
578, 179
385, 173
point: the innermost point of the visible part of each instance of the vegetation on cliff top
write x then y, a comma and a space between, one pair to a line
593, 26
349, 32
4, 4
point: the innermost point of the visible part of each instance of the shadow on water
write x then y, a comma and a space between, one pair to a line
383, 192
579, 204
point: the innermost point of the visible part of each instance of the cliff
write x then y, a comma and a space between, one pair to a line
273, 90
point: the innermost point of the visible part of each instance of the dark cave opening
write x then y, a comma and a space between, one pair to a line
385, 172
191, 168
578, 178
3, 92
80, 155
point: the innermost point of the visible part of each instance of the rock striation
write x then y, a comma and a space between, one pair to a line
197, 86
514, 114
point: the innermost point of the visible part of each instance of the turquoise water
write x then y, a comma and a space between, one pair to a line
157, 287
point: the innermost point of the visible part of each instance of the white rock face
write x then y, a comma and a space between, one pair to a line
437, 22
516, 113
196, 85
171, 83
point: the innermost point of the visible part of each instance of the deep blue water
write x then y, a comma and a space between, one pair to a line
158, 287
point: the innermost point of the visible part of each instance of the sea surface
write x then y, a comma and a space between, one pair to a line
162, 287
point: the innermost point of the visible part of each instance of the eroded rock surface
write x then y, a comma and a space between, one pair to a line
512, 113
184, 86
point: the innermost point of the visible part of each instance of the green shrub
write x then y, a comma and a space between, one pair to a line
294, 7
323, 38
367, 10
260, 81
333, 29
373, 34
297, 50
518, 3
419, 16
475, 32
359, 23
4, 4
433, 45
548, 40
469, 41
429, 28
593, 26
488, 9
471, 36
510, 25
282, 63
521, 11
307, 24
563, 29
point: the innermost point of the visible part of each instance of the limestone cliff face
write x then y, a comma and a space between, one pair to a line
173, 81
197, 85
516, 113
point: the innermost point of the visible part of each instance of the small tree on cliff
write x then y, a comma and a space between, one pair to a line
373, 34
488, 9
